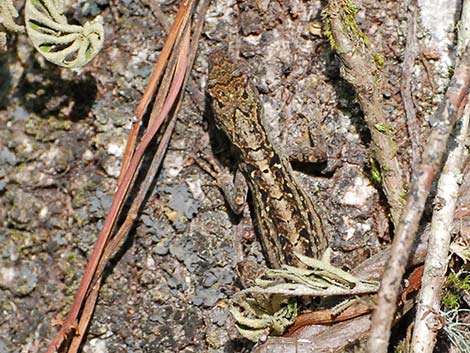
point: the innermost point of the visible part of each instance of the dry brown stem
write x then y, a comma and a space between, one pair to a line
176, 73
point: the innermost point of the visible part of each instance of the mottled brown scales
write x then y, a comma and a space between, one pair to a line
285, 216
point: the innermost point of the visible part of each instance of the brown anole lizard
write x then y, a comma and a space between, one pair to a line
286, 218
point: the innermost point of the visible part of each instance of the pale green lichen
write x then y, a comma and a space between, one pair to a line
8, 13
63, 44
270, 306
457, 328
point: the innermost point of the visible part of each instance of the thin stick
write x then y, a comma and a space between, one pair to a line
464, 29
186, 58
411, 51
428, 308
429, 303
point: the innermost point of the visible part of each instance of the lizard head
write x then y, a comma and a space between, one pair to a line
226, 83
235, 102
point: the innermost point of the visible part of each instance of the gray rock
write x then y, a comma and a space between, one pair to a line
20, 279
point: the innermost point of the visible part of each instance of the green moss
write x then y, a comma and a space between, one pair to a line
71, 256
347, 11
402, 196
384, 128
399, 347
451, 301
350, 32
460, 283
72, 271
351, 24
379, 60
456, 284
375, 173
451, 71
328, 34
79, 197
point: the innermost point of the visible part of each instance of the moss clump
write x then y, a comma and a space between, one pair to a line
379, 60
347, 11
384, 128
456, 283
375, 173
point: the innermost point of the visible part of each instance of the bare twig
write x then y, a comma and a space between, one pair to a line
443, 123
326, 341
114, 242
360, 68
159, 154
411, 51
427, 312
425, 331
327, 317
